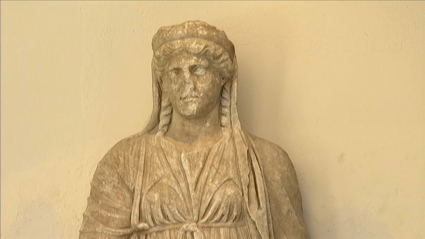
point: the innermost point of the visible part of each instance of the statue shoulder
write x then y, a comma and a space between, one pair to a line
129, 146
273, 158
124, 157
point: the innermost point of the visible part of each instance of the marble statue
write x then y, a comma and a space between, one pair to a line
193, 172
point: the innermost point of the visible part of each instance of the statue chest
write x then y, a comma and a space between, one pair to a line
193, 192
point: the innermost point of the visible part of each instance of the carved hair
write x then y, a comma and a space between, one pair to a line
165, 116
225, 105
218, 58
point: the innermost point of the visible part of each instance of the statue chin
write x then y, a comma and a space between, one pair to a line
194, 109
189, 109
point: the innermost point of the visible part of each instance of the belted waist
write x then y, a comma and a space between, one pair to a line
190, 227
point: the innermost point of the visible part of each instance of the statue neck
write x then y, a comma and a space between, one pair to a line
195, 133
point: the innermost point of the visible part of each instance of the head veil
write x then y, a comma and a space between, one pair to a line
250, 169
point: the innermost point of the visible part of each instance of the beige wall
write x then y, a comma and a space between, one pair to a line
339, 85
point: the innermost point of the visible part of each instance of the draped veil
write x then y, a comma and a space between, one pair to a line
252, 175
258, 207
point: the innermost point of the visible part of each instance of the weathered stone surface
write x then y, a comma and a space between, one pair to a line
194, 172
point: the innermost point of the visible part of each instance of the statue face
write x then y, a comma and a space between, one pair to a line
192, 85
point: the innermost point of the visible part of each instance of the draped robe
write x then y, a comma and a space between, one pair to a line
239, 188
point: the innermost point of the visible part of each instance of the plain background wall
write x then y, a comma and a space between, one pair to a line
339, 85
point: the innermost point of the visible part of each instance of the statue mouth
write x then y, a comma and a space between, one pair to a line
189, 98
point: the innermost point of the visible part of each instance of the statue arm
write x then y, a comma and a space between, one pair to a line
283, 191
109, 204
292, 208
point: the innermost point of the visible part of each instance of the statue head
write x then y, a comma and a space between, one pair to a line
193, 69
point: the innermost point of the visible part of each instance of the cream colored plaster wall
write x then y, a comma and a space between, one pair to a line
339, 85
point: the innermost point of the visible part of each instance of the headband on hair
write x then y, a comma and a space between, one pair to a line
193, 29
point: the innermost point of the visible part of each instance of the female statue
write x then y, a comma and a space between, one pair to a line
193, 173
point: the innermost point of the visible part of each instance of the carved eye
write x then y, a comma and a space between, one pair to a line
175, 71
199, 70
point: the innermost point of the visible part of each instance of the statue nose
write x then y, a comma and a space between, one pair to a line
188, 76
189, 80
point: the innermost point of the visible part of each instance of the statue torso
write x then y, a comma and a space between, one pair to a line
193, 194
